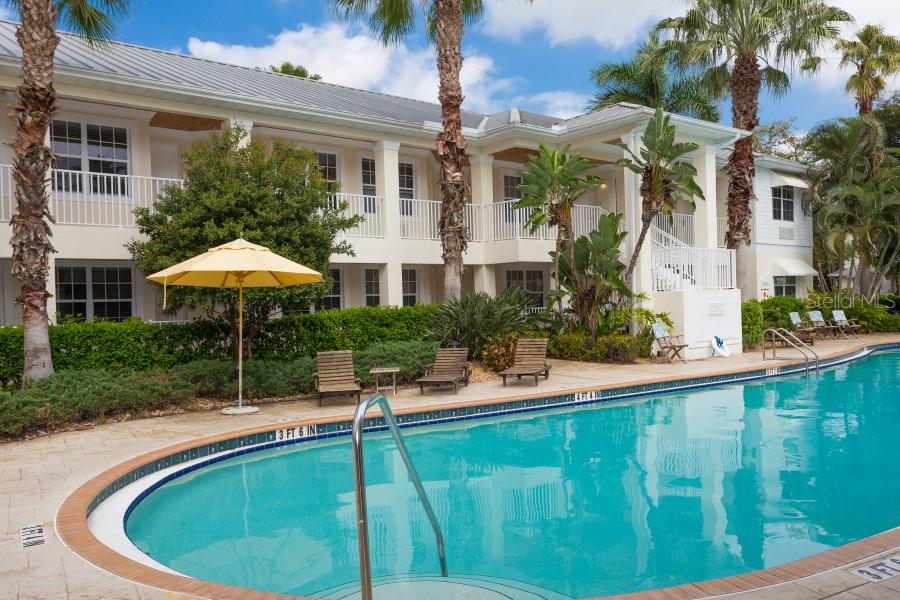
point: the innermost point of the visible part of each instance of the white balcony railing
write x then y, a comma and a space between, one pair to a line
508, 223
369, 208
678, 225
420, 220
676, 268
720, 232
96, 199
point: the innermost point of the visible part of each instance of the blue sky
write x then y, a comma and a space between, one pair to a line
535, 56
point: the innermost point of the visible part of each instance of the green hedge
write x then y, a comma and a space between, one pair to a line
605, 348
776, 311
139, 346
752, 323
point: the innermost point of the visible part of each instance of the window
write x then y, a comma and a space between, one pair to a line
410, 287
785, 286
407, 188
95, 293
783, 203
511, 193
368, 184
532, 281
105, 153
327, 165
332, 299
373, 287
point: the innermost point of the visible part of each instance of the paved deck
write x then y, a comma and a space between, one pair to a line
36, 475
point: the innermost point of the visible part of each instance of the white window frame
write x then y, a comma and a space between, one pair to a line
337, 162
523, 273
509, 213
366, 294
84, 181
340, 293
787, 286
417, 282
781, 202
370, 206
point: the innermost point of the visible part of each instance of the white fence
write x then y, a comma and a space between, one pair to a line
681, 268
508, 223
369, 208
79, 198
677, 225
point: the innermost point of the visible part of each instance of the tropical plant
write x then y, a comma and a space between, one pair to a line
887, 112
392, 20
875, 56
666, 177
31, 245
590, 278
274, 196
287, 68
551, 183
649, 79
474, 319
741, 45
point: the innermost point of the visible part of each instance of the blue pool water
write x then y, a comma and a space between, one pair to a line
596, 500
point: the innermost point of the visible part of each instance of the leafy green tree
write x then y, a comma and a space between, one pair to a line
742, 45
591, 276
649, 79
875, 56
275, 198
666, 177
779, 139
32, 157
287, 68
392, 20
551, 183
888, 114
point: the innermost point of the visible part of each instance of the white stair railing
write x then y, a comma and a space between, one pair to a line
677, 268
677, 225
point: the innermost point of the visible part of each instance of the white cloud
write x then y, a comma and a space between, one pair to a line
607, 24
350, 57
559, 103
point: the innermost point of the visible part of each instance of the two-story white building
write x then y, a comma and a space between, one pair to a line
126, 114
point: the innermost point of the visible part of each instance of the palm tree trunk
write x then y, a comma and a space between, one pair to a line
31, 169
451, 146
744, 86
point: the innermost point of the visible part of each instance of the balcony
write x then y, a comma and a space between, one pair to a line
508, 223
370, 208
677, 268
90, 199
420, 220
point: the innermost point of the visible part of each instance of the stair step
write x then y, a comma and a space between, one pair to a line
434, 587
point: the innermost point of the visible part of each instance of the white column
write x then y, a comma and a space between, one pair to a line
485, 279
245, 125
705, 212
141, 149
631, 209
387, 185
482, 166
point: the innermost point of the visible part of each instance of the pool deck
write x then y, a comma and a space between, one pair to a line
37, 475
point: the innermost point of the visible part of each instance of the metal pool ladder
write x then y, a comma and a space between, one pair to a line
362, 521
793, 340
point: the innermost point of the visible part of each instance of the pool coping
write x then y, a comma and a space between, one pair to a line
73, 530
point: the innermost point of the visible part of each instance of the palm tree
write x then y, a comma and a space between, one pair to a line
648, 79
392, 20
552, 182
37, 36
741, 45
876, 57
666, 177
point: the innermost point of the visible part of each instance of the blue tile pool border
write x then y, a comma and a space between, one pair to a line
213, 452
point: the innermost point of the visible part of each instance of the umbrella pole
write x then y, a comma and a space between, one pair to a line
240, 344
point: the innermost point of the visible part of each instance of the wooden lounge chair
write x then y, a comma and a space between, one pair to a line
530, 360
823, 327
670, 345
803, 330
451, 367
334, 374
844, 324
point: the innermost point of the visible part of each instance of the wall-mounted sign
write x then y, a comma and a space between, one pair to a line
716, 309
765, 283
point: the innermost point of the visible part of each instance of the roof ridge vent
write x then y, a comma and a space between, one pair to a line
514, 116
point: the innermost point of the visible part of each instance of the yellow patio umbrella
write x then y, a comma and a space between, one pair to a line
238, 264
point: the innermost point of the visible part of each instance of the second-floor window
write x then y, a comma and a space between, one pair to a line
102, 149
327, 166
783, 203
368, 184
406, 173
511, 194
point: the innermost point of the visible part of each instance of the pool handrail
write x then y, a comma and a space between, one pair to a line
362, 522
789, 337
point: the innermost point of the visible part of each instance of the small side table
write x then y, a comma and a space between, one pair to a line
379, 371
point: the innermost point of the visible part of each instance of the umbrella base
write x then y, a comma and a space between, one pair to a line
240, 410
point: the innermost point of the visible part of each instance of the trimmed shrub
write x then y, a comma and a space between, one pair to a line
776, 311
752, 323
500, 354
140, 346
889, 323
620, 348
575, 345
411, 357
275, 379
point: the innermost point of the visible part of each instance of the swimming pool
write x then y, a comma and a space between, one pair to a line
596, 500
